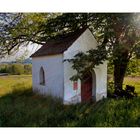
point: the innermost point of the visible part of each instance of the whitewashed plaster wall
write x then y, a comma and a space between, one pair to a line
54, 75
58, 73
101, 81
84, 43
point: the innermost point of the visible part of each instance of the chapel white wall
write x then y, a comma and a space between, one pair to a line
54, 75
101, 81
58, 73
84, 43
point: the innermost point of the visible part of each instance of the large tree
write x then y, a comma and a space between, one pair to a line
17, 29
117, 35
119, 38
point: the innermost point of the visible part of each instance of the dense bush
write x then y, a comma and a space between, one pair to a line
16, 69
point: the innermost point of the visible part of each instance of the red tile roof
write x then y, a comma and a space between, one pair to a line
58, 46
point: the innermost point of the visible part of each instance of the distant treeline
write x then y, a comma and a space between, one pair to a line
16, 69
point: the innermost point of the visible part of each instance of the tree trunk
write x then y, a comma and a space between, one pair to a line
119, 74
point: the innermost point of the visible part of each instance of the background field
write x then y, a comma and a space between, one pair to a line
134, 81
7, 83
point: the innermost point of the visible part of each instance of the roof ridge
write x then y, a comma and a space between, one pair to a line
59, 45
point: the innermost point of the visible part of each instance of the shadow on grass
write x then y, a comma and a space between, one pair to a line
23, 108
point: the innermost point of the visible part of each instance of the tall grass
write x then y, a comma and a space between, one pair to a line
22, 107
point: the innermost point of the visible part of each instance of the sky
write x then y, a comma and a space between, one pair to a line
26, 51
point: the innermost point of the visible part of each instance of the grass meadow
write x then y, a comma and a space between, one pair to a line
7, 83
20, 107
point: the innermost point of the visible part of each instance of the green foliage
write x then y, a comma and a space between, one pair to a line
116, 35
27, 69
85, 62
110, 68
3, 70
110, 88
133, 68
16, 69
19, 29
24, 108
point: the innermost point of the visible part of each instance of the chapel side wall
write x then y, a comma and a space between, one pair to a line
54, 75
101, 81
85, 42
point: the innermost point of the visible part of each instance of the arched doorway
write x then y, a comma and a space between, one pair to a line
88, 87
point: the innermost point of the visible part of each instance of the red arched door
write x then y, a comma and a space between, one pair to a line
86, 88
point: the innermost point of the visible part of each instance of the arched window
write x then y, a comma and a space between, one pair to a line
42, 76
